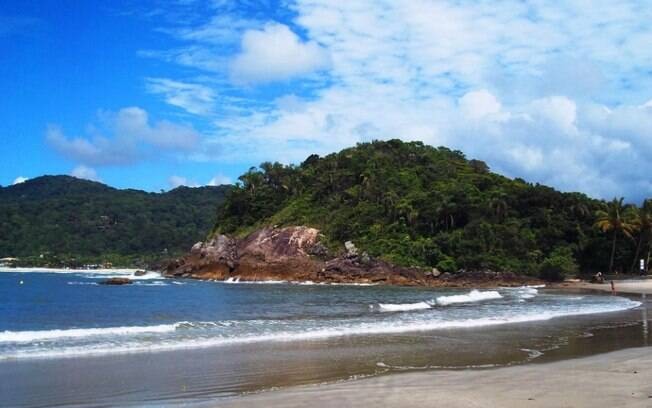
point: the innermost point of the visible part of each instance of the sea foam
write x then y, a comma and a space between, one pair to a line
473, 296
40, 335
316, 333
403, 307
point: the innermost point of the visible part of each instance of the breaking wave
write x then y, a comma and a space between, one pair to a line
473, 296
403, 307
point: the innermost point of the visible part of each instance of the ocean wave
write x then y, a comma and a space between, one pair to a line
121, 271
213, 334
91, 273
473, 296
403, 307
40, 335
155, 283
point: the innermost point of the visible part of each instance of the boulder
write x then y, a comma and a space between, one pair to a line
351, 250
116, 281
140, 272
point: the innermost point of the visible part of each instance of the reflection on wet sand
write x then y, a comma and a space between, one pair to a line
644, 319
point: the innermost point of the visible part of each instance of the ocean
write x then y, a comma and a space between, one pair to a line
66, 340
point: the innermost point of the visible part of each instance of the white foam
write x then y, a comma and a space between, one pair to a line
91, 273
403, 307
473, 296
39, 335
121, 271
236, 279
370, 328
155, 283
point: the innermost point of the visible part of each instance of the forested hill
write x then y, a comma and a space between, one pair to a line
64, 217
417, 205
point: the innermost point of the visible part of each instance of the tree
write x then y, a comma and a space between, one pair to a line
643, 221
617, 218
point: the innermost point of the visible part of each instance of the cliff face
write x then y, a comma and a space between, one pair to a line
295, 254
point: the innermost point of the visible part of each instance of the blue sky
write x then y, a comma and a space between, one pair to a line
156, 94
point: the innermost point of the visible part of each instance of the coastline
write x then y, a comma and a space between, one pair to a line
616, 378
619, 378
630, 286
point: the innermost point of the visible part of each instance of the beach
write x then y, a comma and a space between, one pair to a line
620, 378
203, 343
634, 286
617, 379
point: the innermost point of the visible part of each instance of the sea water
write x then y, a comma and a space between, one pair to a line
63, 336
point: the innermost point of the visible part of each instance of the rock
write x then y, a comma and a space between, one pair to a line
196, 249
319, 250
295, 254
140, 272
351, 250
116, 281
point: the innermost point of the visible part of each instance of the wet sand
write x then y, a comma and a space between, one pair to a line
618, 379
621, 378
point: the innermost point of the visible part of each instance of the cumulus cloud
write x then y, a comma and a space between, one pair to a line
219, 180
556, 93
85, 172
19, 180
178, 181
276, 53
193, 98
130, 138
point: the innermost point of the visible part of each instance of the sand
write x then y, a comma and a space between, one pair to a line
637, 286
617, 379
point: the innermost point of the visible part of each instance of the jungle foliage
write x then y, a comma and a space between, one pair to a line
68, 219
418, 205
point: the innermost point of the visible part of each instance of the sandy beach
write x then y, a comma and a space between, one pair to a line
634, 286
617, 379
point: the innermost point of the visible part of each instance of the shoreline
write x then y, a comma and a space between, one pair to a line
619, 378
615, 378
625, 287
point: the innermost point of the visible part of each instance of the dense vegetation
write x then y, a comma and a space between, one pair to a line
72, 221
418, 205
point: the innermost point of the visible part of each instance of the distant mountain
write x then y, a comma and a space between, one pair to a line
65, 217
416, 205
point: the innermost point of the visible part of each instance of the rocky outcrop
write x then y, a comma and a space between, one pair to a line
116, 281
267, 254
296, 254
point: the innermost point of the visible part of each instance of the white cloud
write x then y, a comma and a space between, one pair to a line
479, 104
276, 53
219, 180
131, 136
554, 92
178, 181
19, 180
85, 172
193, 98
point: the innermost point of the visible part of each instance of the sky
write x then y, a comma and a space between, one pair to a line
157, 94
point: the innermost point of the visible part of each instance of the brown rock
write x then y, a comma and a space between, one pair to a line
116, 281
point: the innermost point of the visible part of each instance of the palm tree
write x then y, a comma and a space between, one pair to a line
643, 221
615, 217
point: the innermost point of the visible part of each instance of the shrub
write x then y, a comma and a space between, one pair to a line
559, 264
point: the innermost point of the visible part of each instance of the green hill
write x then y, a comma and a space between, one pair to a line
64, 217
417, 205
